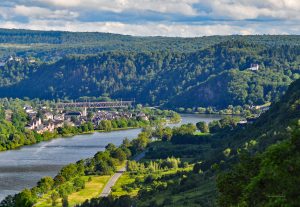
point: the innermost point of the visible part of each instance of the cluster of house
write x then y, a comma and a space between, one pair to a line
261, 109
45, 120
4, 61
48, 122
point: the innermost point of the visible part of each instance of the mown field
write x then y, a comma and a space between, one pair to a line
92, 189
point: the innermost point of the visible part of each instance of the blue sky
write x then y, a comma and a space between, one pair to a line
186, 18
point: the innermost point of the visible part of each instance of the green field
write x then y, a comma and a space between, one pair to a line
92, 189
125, 185
125, 180
201, 133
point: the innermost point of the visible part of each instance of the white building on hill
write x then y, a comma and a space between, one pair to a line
254, 67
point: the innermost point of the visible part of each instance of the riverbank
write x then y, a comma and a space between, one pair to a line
57, 136
99, 131
50, 136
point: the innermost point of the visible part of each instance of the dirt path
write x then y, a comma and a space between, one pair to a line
112, 181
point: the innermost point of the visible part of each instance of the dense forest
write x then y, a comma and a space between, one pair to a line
216, 75
53, 45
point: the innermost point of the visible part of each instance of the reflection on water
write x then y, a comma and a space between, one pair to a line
22, 168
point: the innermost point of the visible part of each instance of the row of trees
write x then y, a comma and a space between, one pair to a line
154, 166
245, 110
186, 133
108, 125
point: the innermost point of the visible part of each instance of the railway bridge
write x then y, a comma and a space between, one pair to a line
99, 105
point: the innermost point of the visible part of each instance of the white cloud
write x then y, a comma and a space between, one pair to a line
254, 9
43, 13
151, 29
164, 6
175, 18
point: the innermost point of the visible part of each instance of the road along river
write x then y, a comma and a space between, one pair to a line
22, 168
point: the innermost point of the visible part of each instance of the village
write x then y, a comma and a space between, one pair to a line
6, 60
47, 120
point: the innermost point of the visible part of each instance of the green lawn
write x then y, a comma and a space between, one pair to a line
201, 133
127, 179
92, 190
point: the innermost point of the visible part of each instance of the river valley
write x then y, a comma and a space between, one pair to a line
22, 168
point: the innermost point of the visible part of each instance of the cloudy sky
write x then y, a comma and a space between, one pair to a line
186, 18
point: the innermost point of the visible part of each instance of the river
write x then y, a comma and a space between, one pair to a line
22, 168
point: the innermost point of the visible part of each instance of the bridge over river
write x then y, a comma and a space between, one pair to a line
109, 104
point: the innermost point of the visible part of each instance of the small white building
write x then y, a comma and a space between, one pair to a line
34, 124
31, 60
143, 117
254, 67
59, 117
10, 58
48, 116
28, 109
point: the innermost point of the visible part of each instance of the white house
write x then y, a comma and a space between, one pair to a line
254, 67
48, 116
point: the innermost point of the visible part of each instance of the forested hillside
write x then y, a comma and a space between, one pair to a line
216, 76
53, 45
267, 173
238, 165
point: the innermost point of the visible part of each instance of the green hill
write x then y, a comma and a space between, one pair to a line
215, 76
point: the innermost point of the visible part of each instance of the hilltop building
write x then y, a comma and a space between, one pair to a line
254, 67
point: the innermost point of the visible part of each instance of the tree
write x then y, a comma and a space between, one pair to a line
110, 147
25, 199
175, 118
54, 197
45, 184
105, 125
140, 143
9, 201
65, 201
119, 154
58, 180
79, 183
69, 171
167, 134
202, 126
185, 129
124, 201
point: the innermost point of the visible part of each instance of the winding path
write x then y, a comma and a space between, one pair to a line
112, 181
